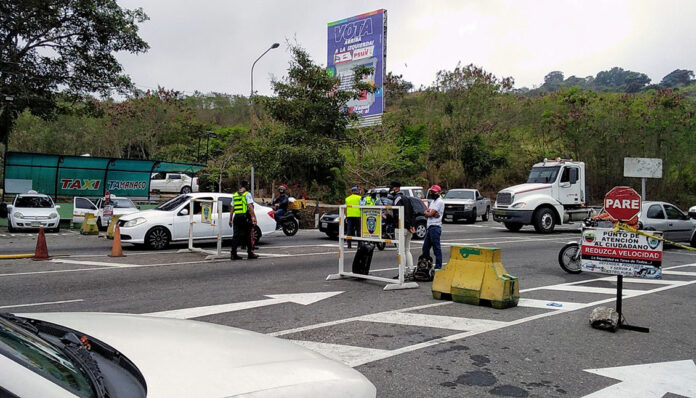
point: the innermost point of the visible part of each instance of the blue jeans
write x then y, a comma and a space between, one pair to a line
432, 239
279, 213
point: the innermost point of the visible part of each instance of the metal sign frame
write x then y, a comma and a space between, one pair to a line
400, 242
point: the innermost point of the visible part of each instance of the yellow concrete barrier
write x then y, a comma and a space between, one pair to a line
474, 275
89, 225
112, 225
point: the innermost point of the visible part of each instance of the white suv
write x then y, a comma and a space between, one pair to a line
33, 210
173, 182
170, 221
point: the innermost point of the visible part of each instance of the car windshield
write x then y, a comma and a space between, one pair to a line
418, 193
121, 203
173, 204
36, 202
543, 174
460, 195
35, 353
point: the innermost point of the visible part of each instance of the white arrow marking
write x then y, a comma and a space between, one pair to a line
195, 312
649, 380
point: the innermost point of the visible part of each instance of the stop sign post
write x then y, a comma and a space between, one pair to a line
622, 203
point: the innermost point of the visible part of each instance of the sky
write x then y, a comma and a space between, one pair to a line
210, 45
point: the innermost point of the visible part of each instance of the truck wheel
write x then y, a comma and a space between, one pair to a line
544, 222
186, 189
485, 215
513, 226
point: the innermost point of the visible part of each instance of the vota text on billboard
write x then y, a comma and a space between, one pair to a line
355, 41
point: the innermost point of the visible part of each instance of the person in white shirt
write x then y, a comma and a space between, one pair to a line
434, 214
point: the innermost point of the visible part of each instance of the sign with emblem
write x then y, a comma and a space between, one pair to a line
207, 213
371, 221
622, 253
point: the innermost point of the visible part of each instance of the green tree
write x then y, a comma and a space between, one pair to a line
311, 107
52, 45
678, 77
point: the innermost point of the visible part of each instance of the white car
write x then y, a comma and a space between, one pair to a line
173, 182
122, 355
33, 210
169, 222
120, 207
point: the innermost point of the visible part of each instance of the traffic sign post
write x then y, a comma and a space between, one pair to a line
623, 204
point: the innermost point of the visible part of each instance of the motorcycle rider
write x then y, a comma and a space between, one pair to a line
280, 204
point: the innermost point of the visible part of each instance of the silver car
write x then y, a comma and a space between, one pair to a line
666, 217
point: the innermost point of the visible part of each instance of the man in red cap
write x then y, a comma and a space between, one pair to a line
434, 214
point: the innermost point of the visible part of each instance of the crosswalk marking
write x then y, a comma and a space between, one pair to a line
590, 289
433, 321
549, 305
467, 327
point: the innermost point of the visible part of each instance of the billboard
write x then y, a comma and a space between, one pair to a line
356, 41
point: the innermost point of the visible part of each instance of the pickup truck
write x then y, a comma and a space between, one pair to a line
173, 182
466, 204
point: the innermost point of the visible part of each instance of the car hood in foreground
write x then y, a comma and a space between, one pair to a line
183, 358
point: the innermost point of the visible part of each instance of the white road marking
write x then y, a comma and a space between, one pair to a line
590, 289
549, 305
649, 380
44, 303
197, 312
359, 356
339, 352
433, 321
681, 273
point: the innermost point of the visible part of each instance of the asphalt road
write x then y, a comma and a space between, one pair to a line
404, 341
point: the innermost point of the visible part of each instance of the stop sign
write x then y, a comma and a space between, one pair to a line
622, 203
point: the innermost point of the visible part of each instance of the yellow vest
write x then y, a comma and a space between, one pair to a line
353, 200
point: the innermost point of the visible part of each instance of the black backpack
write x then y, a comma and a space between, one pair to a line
424, 269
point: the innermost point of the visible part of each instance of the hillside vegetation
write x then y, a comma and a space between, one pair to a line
469, 128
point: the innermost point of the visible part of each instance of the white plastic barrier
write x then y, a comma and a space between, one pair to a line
215, 223
399, 241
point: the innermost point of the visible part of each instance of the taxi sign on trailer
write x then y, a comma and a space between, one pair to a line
622, 203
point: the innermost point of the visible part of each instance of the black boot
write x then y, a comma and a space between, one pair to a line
235, 256
252, 256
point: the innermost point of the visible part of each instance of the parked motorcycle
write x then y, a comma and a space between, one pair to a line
570, 256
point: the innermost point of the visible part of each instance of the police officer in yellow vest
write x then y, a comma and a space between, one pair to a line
353, 214
242, 221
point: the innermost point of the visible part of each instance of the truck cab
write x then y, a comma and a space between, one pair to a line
554, 194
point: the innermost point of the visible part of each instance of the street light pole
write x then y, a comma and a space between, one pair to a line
251, 98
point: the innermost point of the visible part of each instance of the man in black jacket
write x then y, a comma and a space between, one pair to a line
280, 204
409, 219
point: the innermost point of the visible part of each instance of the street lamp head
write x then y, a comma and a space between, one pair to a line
275, 45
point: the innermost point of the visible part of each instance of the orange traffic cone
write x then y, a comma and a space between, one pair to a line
41, 252
116, 249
